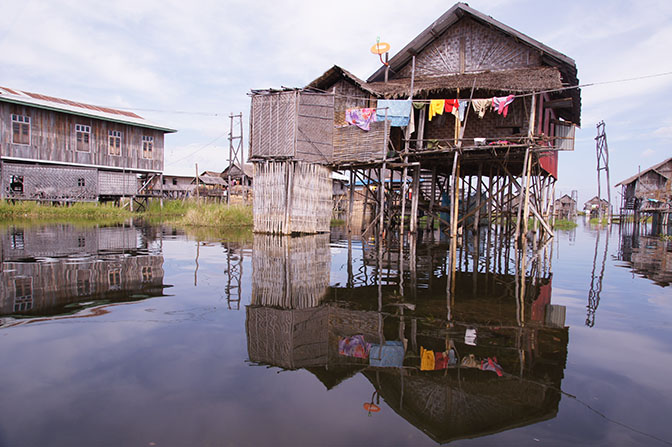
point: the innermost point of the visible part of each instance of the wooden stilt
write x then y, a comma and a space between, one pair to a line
415, 199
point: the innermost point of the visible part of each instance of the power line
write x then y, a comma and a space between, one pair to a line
196, 151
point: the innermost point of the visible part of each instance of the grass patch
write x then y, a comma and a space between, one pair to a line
598, 221
564, 224
217, 215
76, 212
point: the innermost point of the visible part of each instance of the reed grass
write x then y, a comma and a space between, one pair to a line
564, 224
216, 215
81, 211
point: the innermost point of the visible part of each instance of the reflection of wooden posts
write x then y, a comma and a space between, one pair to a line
477, 217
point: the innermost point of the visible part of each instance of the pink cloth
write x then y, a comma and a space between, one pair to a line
361, 118
501, 104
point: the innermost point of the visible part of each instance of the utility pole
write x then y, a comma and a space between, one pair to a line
602, 151
235, 150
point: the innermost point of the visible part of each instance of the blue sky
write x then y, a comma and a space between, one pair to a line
160, 57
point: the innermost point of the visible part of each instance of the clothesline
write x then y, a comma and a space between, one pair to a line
522, 95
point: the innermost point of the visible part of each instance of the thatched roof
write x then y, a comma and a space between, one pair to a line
519, 80
335, 74
449, 18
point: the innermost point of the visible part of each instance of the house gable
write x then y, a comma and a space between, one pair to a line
469, 46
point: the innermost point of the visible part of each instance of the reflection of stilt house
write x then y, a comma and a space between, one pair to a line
90, 265
59, 150
466, 56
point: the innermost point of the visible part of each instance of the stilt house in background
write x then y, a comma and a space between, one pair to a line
464, 56
565, 207
649, 192
592, 207
59, 150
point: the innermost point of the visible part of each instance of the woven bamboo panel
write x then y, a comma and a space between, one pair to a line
291, 197
290, 273
117, 183
352, 144
315, 128
273, 123
484, 49
51, 182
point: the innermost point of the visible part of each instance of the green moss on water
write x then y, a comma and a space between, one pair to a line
564, 224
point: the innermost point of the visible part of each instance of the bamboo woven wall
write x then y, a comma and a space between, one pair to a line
290, 273
352, 144
292, 124
291, 197
287, 338
484, 49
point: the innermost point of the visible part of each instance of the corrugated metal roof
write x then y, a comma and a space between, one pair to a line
77, 108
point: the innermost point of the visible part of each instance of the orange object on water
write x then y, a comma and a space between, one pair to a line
371, 407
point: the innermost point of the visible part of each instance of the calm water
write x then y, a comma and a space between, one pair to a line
144, 336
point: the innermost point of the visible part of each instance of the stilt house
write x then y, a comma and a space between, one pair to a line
515, 106
649, 191
54, 149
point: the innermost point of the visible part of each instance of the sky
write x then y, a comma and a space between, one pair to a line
189, 65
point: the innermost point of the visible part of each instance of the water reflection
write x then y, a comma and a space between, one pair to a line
646, 253
60, 270
484, 317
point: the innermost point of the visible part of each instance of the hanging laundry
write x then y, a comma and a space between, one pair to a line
440, 360
470, 337
470, 361
452, 106
481, 105
501, 104
490, 364
361, 118
427, 360
411, 124
419, 105
436, 107
354, 346
398, 111
390, 354
461, 113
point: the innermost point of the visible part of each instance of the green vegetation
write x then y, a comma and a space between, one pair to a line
217, 215
596, 221
188, 213
564, 224
23, 211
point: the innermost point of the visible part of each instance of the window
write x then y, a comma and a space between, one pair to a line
81, 182
114, 139
174, 181
20, 129
83, 282
114, 277
16, 184
83, 137
146, 273
23, 294
147, 146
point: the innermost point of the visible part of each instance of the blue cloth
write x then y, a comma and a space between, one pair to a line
391, 354
398, 111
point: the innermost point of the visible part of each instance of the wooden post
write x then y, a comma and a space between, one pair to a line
430, 218
526, 210
477, 217
161, 200
351, 201
414, 202
521, 193
366, 197
198, 198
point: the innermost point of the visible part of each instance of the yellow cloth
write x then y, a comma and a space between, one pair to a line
426, 359
436, 107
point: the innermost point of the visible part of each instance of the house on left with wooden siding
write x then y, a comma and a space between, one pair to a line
57, 150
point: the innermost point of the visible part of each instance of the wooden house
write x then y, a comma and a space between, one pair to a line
54, 149
649, 191
564, 207
592, 207
464, 57
176, 186
240, 175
